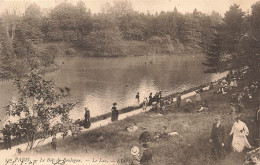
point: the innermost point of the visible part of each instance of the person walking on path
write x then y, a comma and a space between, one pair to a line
87, 121
217, 138
7, 136
147, 156
239, 131
178, 100
145, 104
114, 116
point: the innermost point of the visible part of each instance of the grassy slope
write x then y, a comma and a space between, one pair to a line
193, 148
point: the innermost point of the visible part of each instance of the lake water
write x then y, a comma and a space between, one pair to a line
98, 82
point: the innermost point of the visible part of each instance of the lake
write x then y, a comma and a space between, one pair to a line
98, 82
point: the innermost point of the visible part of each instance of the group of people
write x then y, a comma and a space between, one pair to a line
145, 157
239, 133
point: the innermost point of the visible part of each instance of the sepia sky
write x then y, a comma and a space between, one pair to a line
206, 6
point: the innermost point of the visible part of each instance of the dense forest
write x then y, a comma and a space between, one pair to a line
118, 30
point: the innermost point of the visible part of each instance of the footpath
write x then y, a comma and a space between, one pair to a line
12, 152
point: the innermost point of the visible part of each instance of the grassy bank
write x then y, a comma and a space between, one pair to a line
192, 147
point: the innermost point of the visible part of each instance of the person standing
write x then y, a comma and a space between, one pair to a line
178, 100
160, 94
151, 98
87, 121
198, 97
137, 96
147, 156
145, 103
217, 138
239, 131
114, 113
7, 136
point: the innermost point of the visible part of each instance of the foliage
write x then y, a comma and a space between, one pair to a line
236, 42
38, 109
106, 38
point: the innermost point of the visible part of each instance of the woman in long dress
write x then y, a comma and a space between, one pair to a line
239, 131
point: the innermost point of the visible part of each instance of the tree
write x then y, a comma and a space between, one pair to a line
214, 54
7, 54
106, 38
38, 110
31, 23
232, 28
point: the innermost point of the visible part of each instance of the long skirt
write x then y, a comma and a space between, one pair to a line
87, 123
239, 142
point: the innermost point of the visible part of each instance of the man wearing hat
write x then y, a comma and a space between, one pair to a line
217, 138
147, 156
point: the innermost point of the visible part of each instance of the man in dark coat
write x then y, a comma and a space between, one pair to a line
150, 99
147, 156
217, 138
145, 136
114, 113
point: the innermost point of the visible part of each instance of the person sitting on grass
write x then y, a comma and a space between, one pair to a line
135, 155
132, 128
145, 137
203, 106
147, 156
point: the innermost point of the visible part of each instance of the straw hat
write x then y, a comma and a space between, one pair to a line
135, 150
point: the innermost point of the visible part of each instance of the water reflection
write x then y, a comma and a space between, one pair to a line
98, 82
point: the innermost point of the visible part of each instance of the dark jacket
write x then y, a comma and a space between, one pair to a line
114, 114
145, 137
147, 157
218, 134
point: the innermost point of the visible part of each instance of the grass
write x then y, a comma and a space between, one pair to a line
192, 147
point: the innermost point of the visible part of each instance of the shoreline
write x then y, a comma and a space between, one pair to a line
103, 120
188, 93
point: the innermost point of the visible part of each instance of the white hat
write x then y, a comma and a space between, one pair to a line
135, 150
